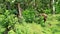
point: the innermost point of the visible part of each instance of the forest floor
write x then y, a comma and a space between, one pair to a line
52, 26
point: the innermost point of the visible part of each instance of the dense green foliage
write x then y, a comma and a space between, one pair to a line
31, 22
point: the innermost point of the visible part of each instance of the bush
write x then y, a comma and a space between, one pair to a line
2, 19
47, 11
11, 32
7, 20
2, 29
28, 15
39, 20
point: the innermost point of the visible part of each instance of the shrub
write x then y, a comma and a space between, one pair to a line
11, 32
2, 29
28, 15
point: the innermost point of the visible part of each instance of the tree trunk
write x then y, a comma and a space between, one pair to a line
53, 7
50, 5
19, 9
8, 6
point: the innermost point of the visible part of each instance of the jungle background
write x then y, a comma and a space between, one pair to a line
23, 17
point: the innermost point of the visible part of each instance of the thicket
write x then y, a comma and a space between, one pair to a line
30, 22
